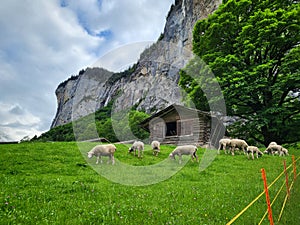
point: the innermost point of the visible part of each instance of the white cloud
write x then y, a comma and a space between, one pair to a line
17, 122
43, 43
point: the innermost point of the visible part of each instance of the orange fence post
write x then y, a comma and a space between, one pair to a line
263, 172
294, 167
286, 179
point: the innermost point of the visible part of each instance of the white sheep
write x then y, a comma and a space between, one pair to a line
223, 143
184, 150
155, 147
103, 150
237, 143
269, 148
252, 150
274, 148
137, 146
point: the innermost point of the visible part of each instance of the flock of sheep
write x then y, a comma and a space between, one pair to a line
138, 146
233, 145
226, 144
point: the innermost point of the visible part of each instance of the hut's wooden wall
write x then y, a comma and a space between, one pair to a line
189, 130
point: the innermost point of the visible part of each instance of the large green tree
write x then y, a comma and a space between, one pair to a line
253, 49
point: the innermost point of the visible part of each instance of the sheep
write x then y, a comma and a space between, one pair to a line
137, 146
155, 147
103, 150
274, 148
184, 150
223, 143
237, 143
252, 150
269, 148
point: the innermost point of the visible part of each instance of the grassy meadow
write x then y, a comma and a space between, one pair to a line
53, 183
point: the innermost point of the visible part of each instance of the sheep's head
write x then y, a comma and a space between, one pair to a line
130, 149
266, 152
171, 156
90, 155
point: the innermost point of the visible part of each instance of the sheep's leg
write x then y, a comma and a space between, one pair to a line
192, 157
100, 159
97, 160
112, 160
244, 151
224, 148
252, 155
197, 159
180, 158
232, 150
219, 149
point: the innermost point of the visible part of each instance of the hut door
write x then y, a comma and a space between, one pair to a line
159, 130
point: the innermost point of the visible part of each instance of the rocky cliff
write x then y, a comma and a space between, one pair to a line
152, 85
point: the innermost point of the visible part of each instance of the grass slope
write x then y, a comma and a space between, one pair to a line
52, 183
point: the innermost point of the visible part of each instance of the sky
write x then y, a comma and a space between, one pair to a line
44, 42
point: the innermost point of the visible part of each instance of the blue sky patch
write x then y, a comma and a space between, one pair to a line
107, 34
64, 3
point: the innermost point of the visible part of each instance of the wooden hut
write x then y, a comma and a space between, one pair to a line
180, 125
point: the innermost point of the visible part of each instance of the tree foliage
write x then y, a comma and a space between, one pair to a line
253, 49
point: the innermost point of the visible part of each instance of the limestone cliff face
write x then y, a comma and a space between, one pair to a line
154, 83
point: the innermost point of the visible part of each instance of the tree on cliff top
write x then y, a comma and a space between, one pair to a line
253, 49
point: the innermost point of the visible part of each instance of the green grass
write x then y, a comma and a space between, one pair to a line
52, 183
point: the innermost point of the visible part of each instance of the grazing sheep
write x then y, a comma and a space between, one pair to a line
137, 146
184, 150
103, 150
238, 143
252, 150
155, 147
269, 148
274, 148
223, 143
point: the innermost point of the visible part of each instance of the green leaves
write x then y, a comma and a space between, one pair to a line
252, 47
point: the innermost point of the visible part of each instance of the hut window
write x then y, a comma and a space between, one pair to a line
171, 129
